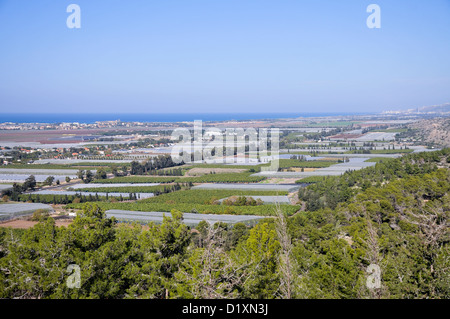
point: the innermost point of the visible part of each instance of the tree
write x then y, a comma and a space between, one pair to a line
260, 252
67, 179
101, 174
80, 174
210, 272
30, 183
49, 181
88, 177
285, 260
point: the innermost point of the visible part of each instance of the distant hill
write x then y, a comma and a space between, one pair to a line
441, 109
434, 131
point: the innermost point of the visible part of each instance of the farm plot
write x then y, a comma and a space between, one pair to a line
223, 178
376, 136
102, 194
200, 171
5, 186
136, 180
131, 189
18, 178
110, 185
267, 199
9, 211
199, 201
334, 170
249, 187
188, 218
40, 171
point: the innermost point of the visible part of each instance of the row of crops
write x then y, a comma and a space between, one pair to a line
262, 210
136, 179
133, 189
209, 178
200, 201
286, 163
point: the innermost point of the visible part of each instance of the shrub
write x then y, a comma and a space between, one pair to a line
39, 214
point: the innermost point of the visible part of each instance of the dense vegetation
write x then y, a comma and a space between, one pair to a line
394, 215
331, 191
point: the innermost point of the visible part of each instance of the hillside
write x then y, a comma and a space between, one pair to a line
434, 131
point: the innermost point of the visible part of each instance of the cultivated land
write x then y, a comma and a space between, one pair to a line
340, 199
310, 149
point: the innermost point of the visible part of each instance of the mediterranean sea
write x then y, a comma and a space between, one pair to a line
150, 117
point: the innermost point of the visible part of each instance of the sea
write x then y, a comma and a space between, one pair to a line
90, 118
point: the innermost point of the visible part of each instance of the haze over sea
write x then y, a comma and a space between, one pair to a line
149, 117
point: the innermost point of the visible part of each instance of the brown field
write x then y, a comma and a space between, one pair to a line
280, 181
24, 224
42, 136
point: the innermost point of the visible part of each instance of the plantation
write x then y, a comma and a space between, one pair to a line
136, 180
206, 196
262, 210
133, 189
388, 151
223, 178
201, 201
256, 168
286, 163
74, 198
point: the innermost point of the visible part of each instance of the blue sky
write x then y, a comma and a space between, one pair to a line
223, 56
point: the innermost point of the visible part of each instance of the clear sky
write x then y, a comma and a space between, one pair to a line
223, 56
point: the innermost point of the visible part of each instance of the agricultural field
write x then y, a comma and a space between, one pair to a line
286, 163
279, 188
100, 194
37, 171
128, 189
199, 201
200, 171
110, 185
391, 151
188, 218
20, 178
266, 199
223, 178
137, 180
14, 210
5, 186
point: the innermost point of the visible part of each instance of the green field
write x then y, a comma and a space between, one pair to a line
392, 130
201, 196
223, 178
399, 151
201, 201
136, 179
127, 189
285, 163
